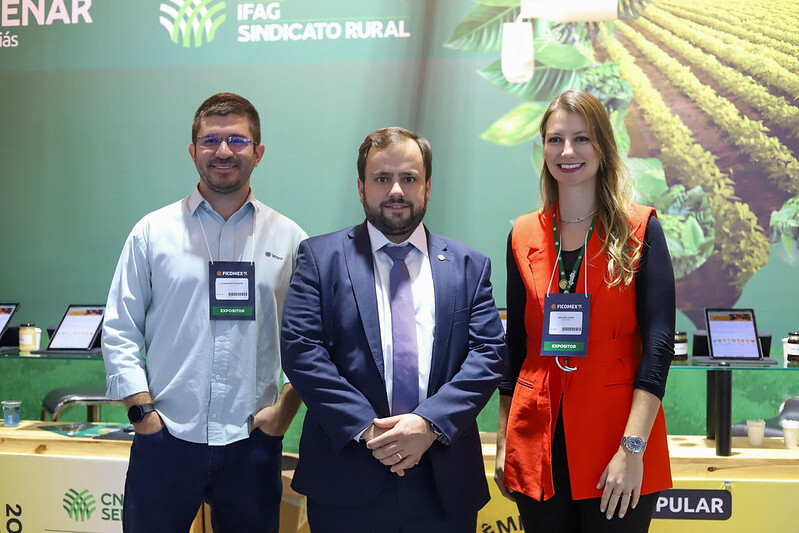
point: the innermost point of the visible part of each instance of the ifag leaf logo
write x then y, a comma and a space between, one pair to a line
191, 20
79, 505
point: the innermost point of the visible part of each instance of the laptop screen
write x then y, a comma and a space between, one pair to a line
79, 328
6, 312
732, 334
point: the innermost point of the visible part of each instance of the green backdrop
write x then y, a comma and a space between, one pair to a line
96, 101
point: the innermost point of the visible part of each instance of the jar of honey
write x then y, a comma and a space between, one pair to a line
792, 347
680, 345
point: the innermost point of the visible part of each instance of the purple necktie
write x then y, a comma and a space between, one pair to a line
405, 396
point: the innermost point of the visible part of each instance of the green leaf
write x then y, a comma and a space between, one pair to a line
620, 130
545, 84
784, 228
481, 29
517, 126
649, 178
564, 56
787, 244
692, 236
604, 81
688, 225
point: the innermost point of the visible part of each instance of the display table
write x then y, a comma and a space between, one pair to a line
752, 489
54, 482
29, 378
718, 407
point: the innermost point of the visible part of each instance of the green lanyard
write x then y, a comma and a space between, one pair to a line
566, 283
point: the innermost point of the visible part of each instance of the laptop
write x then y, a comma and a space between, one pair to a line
732, 338
7, 311
78, 332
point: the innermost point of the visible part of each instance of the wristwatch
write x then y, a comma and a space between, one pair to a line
633, 444
136, 412
440, 437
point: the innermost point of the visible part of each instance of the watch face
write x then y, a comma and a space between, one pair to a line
136, 413
635, 444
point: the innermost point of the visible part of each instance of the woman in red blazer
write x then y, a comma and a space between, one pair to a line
581, 436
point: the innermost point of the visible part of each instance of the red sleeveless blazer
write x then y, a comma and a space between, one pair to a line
598, 396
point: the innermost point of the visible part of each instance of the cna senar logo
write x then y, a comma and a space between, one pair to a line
79, 505
192, 21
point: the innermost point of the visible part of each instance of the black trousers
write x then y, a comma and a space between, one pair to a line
408, 504
562, 514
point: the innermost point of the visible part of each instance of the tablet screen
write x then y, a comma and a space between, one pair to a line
6, 312
78, 328
732, 334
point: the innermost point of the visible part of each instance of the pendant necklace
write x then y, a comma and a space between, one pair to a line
576, 220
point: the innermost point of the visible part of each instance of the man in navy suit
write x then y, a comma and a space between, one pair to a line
366, 465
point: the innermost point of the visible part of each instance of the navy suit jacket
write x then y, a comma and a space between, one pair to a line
332, 353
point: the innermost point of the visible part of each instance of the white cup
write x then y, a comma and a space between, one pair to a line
755, 430
517, 59
790, 433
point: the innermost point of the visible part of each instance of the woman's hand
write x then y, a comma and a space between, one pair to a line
621, 480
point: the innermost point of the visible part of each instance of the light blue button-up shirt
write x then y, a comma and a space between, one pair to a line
207, 378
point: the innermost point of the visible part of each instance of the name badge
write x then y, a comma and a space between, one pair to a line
566, 318
232, 290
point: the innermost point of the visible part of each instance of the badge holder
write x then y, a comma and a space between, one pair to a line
567, 314
231, 285
566, 318
231, 291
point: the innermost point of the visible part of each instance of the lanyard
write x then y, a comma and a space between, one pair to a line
566, 283
252, 255
231, 284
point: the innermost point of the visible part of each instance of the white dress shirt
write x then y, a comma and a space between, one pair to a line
424, 302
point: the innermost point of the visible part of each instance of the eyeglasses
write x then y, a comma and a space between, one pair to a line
234, 142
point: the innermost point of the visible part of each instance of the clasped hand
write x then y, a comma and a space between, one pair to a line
399, 441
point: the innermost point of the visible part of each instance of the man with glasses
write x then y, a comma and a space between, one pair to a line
200, 287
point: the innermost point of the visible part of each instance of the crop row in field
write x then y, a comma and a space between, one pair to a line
753, 60
740, 242
771, 26
775, 108
748, 135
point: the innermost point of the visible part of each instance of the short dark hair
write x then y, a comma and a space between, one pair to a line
224, 104
386, 137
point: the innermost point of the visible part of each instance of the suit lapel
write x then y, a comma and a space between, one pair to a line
360, 268
442, 268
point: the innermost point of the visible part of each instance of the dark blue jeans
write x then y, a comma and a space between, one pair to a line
169, 478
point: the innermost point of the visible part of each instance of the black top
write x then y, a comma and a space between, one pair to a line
655, 307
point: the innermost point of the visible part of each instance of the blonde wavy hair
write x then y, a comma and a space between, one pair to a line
613, 186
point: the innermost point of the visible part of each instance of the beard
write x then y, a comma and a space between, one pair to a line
222, 183
396, 225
